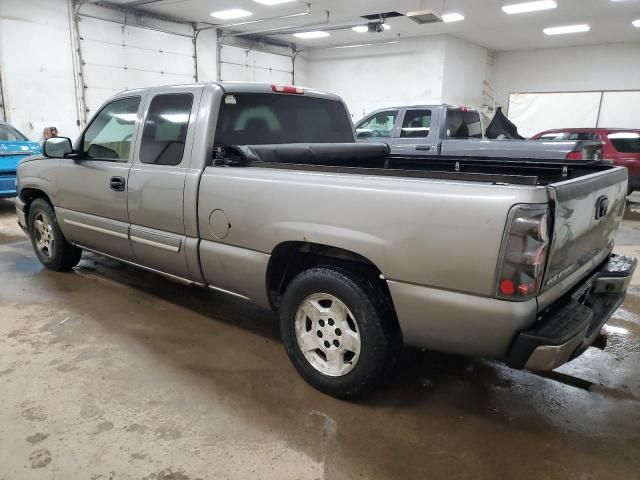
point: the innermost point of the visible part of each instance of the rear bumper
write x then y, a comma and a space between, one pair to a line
8, 185
571, 324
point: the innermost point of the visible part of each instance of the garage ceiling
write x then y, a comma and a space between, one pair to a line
485, 23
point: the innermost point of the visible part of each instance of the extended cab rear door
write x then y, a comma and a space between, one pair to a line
157, 179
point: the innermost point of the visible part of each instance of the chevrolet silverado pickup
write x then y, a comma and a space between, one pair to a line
451, 130
261, 192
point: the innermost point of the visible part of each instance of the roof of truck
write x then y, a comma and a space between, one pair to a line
236, 87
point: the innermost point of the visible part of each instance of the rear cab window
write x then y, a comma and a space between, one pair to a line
463, 123
264, 118
625, 142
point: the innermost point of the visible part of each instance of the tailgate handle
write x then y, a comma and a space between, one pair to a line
117, 184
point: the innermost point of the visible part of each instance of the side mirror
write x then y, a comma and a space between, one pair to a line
57, 147
364, 134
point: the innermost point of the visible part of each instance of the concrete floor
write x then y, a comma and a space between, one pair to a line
113, 373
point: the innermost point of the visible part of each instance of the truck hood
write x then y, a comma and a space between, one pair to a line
11, 152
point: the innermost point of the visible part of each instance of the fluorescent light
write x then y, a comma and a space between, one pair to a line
529, 7
636, 23
365, 28
231, 14
567, 29
314, 34
362, 45
452, 17
273, 2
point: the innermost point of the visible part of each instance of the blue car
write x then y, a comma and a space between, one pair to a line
13, 147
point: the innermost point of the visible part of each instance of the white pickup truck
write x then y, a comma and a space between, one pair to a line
260, 191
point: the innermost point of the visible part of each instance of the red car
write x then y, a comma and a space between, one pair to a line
620, 145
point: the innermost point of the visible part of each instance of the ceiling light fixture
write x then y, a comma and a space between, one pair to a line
362, 45
273, 2
452, 17
231, 14
365, 28
313, 34
636, 23
527, 7
567, 29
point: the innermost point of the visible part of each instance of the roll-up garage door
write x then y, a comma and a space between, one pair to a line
119, 57
242, 64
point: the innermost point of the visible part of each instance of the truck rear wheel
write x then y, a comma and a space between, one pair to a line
52, 249
334, 334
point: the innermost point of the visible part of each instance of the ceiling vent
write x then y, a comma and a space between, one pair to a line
381, 16
424, 16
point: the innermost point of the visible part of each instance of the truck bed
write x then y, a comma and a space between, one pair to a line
376, 159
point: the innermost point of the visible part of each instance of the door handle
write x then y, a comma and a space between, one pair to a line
423, 147
117, 184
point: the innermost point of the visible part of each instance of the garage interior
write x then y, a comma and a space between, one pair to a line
113, 372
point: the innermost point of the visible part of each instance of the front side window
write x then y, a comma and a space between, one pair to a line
377, 125
10, 134
625, 142
463, 124
261, 119
416, 124
110, 134
165, 129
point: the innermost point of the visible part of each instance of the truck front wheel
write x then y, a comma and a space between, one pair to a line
334, 334
52, 249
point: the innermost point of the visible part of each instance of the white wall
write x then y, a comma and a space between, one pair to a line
465, 71
367, 78
36, 66
206, 53
599, 67
435, 69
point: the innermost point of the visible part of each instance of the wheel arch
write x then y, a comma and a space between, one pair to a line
290, 258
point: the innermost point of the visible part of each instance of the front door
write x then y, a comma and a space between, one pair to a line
157, 180
415, 135
92, 195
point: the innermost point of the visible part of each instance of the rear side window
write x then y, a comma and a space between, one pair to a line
8, 133
463, 124
165, 130
625, 142
260, 119
553, 136
583, 136
416, 124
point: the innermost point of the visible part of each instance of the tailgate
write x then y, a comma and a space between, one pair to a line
587, 212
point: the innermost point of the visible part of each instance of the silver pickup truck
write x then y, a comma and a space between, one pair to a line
260, 191
451, 130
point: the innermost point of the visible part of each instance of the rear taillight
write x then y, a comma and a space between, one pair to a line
574, 155
524, 252
287, 89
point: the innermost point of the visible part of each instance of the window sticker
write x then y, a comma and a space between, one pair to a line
230, 100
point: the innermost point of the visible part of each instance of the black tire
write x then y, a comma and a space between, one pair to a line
379, 335
61, 255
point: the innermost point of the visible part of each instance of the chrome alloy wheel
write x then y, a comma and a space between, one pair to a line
43, 234
327, 334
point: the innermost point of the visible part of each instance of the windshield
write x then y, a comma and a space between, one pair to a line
261, 119
626, 142
8, 133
